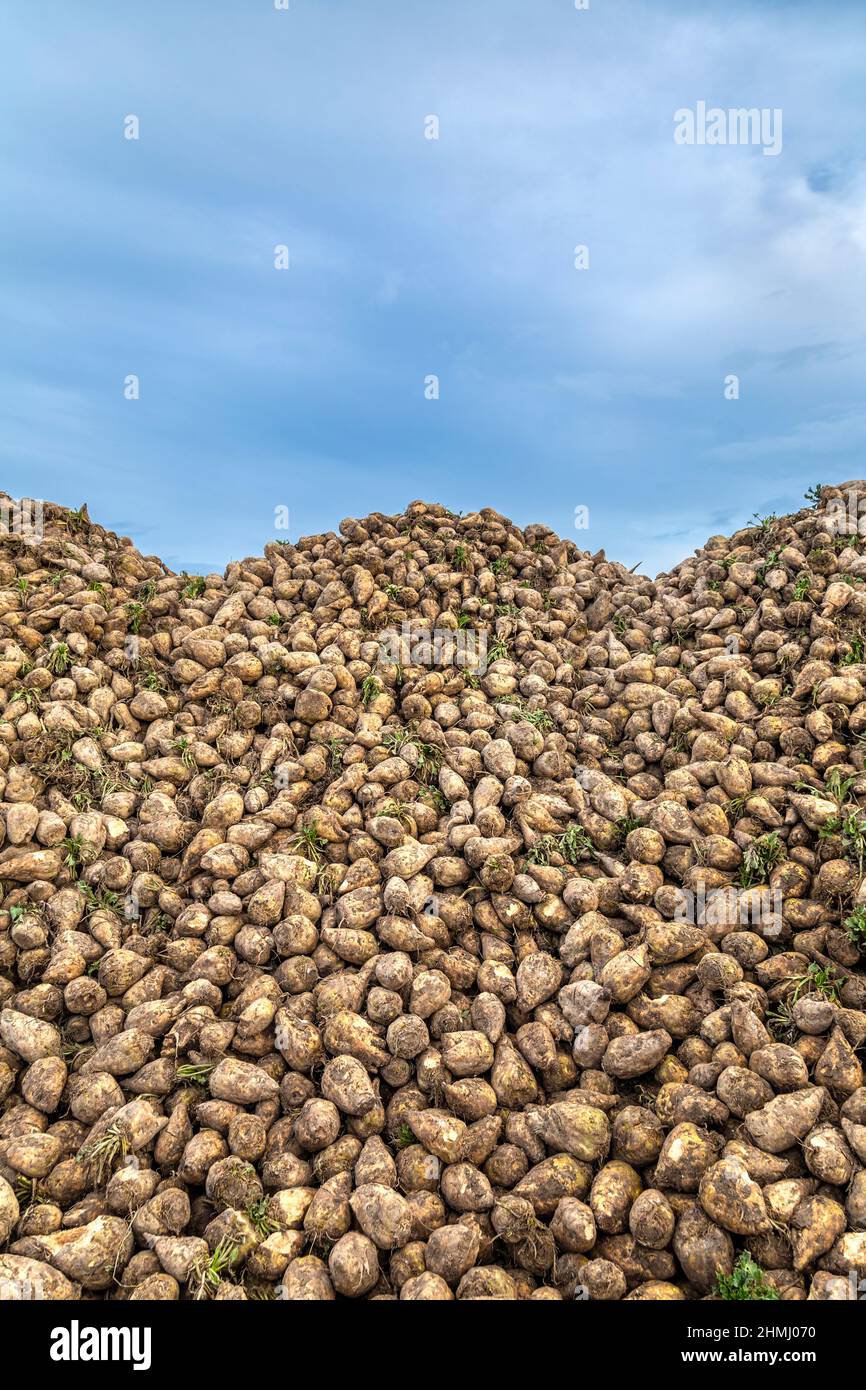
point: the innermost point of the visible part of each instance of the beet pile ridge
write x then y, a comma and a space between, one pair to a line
433, 910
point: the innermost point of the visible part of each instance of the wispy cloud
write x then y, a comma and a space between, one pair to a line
840, 434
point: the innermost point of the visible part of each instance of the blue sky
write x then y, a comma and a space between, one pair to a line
304, 388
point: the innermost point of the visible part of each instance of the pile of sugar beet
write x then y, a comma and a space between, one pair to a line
334, 967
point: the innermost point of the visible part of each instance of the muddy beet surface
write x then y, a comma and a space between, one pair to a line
433, 910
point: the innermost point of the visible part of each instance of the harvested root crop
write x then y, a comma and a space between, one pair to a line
431, 911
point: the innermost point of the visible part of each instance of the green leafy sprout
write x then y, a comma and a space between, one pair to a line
59, 658
102, 1155
198, 1073
816, 979
371, 688
855, 926
258, 1215
760, 857
748, 1282
574, 846
309, 843
207, 1273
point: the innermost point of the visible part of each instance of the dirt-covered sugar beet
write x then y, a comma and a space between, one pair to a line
433, 910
